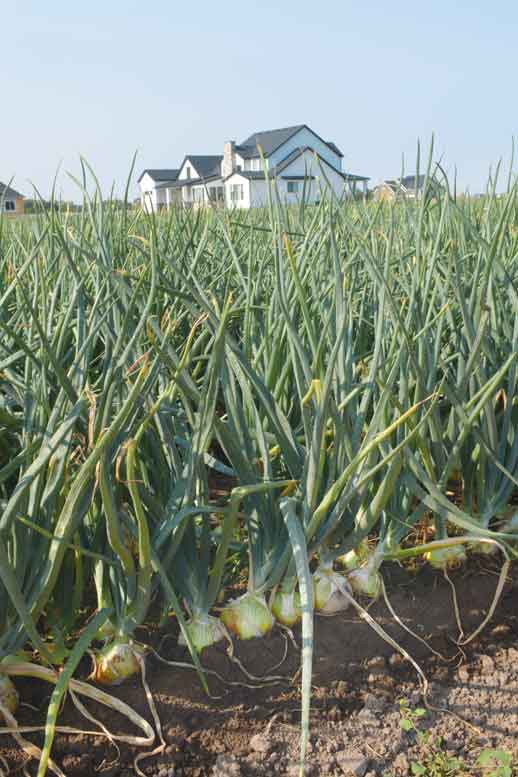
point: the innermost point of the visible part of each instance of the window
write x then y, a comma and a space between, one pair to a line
10, 205
238, 168
188, 173
236, 192
293, 187
217, 193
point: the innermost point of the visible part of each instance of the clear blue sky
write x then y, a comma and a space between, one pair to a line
166, 78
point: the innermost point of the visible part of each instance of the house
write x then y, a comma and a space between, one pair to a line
11, 201
409, 186
301, 163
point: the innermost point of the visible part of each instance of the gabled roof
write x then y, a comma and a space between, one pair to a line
160, 175
256, 175
205, 166
299, 151
268, 140
334, 148
271, 140
6, 191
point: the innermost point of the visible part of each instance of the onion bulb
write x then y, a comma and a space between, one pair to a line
329, 590
115, 663
366, 580
286, 607
446, 558
248, 616
8, 694
204, 630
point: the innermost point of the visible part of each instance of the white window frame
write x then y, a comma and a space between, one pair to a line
236, 192
293, 187
10, 205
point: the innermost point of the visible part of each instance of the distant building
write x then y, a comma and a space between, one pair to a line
410, 187
11, 201
300, 161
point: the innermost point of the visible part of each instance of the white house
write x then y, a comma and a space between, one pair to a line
299, 161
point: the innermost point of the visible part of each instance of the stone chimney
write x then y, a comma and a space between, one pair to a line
229, 158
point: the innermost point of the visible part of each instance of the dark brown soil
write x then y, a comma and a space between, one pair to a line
357, 686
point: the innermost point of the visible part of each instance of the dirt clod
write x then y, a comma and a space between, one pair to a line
487, 665
226, 766
352, 764
260, 743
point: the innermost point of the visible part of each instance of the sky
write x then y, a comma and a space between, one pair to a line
104, 80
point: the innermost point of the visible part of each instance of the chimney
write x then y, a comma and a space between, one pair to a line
229, 158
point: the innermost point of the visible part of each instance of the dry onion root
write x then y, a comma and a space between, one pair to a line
248, 616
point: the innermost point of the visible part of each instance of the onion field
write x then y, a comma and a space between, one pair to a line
227, 422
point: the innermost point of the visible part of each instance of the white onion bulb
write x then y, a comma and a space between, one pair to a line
286, 607
115, 663
366, 580
248, 616
204, 631
328, 590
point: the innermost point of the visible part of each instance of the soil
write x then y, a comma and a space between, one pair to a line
358, 683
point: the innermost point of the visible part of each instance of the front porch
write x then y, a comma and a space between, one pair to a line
194, 194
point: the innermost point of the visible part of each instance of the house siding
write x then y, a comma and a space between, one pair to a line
238, 179
18, 202
151, 198
323, 175
258, 194
182, 176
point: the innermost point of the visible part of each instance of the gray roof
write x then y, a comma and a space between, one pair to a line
189, 182
160, 175
252, 175
205, 166
268, 140
6, 191
271, 140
